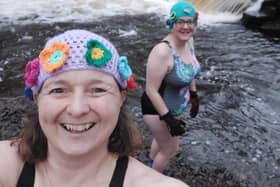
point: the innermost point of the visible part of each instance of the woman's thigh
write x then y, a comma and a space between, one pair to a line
161, 134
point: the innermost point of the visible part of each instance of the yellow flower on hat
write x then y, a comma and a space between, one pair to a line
54, 56
97, 53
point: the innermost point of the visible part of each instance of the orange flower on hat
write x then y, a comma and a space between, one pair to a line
54, 56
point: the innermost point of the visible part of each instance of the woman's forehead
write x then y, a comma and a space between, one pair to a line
82, 76
185, 18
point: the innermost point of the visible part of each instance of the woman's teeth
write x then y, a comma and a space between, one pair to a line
78, 128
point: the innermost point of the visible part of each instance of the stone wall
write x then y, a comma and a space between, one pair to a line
266, 20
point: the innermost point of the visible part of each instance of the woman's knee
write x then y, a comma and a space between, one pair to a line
170, 150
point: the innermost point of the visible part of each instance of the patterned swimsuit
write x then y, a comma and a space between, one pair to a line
175, 86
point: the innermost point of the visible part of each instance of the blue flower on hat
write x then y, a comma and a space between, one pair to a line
28, 93
124, 69
97, 54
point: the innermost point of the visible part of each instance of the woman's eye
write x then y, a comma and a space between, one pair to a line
99, 90
57, 90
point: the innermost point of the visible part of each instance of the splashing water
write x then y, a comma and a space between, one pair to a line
49, 11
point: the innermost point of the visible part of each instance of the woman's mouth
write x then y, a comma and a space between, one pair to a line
77, 128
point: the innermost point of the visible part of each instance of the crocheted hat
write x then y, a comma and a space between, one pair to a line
76, 50
179, 10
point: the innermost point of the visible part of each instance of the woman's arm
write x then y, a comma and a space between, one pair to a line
193, 86
10, 164
157, 66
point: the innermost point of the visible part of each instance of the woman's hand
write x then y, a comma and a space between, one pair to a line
175, 126
195, 103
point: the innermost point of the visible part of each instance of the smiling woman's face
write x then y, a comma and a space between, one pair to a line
78, 110
183, 28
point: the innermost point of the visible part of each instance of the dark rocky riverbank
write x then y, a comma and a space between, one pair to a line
229, 144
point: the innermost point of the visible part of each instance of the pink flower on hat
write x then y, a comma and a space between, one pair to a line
32, 69
54, 56
196, 16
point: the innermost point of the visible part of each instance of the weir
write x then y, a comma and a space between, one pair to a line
236, 7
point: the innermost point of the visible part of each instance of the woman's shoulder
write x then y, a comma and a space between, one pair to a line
140, 175
10, 162
161, 50
160, 55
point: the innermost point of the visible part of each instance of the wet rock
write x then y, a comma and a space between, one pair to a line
266, 20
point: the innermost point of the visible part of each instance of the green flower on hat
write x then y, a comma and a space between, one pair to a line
172, 15
97, 54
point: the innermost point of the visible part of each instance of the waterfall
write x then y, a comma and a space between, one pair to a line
236, 7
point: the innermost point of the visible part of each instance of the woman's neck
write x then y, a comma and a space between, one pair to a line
178, 44
79, 169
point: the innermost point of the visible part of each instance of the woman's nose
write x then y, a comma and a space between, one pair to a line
78, 105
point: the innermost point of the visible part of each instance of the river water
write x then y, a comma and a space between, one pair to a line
239, 122
234, 141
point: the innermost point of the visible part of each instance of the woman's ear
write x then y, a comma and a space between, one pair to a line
123, 96
35, 98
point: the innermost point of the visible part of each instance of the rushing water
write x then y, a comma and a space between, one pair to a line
234, 139
240, 89
49, 11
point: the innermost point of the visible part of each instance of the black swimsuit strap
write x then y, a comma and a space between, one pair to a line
27, 176
165, 41
173, 52
119, 172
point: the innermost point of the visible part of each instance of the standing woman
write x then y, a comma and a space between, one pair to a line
170, 84
79, 135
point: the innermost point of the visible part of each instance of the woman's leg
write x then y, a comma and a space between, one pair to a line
164, 146
154, 149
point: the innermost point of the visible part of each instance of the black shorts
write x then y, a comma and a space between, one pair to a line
147, 106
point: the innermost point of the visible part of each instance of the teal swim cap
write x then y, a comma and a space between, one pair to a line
179, 10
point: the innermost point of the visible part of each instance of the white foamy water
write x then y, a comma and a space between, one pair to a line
26, 11
48, 11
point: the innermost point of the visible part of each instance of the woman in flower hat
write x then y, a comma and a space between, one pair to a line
79, 135
170, 84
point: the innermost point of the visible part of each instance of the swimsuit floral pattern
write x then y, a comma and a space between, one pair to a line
186, 72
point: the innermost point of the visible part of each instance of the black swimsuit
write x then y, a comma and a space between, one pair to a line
27, 176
